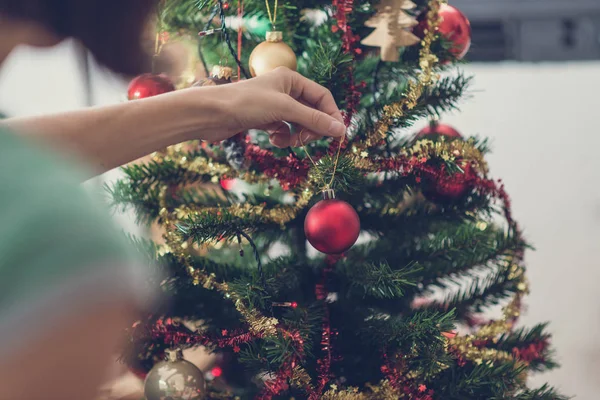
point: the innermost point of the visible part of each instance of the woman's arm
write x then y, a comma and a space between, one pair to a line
107, 137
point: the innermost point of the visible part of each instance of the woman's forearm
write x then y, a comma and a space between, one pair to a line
107, 137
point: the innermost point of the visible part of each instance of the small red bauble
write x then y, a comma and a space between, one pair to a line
454, 27
332, 226
448, 188
436, 129
148, 85
227, 184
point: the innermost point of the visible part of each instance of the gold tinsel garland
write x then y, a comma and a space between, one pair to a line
382, 391
492, 330
280, 214
425, 149
453, 151
203, 166
263, 326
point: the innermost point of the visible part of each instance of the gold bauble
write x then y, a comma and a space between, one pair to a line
271, 54
175, 378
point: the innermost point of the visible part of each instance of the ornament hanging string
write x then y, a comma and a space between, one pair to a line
326, 186
272, 15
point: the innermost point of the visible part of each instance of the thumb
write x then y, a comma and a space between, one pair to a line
313, 120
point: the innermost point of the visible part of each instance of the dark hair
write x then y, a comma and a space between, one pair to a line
111, 29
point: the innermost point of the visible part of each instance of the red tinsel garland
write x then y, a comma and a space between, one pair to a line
173, 335
343, 8
289, 171
324, 363
534, 352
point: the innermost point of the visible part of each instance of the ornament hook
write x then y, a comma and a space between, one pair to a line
173, 355
328, 194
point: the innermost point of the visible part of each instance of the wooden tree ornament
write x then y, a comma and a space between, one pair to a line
391, 23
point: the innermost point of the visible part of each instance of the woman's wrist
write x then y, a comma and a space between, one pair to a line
206, 113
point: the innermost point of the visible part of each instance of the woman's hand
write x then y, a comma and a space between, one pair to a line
271, 101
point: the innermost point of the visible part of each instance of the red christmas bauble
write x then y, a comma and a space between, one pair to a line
332, 226
227, 184
439, 130
456, 28
148, 85
449, 187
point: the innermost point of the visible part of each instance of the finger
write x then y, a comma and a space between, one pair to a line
307, 91
276, 127
279, 134
312, 119
280, 139
284, 139
304, 138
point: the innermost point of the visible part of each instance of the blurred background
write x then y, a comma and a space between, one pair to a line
537, 77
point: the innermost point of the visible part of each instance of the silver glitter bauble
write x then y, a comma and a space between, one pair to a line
175, 379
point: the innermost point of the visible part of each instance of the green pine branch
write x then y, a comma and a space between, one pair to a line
452, 250
375, 280
488, 380
544, 393
418, 338
145, 204
481, 293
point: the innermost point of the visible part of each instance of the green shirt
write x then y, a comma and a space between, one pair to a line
59, 250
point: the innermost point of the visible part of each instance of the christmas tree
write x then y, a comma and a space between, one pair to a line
398, 315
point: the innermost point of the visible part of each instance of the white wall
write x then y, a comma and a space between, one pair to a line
543, 120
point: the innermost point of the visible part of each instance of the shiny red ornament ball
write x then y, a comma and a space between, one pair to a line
449, 188
227, 184
148, 85
332, 226
456, 28
436, 129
